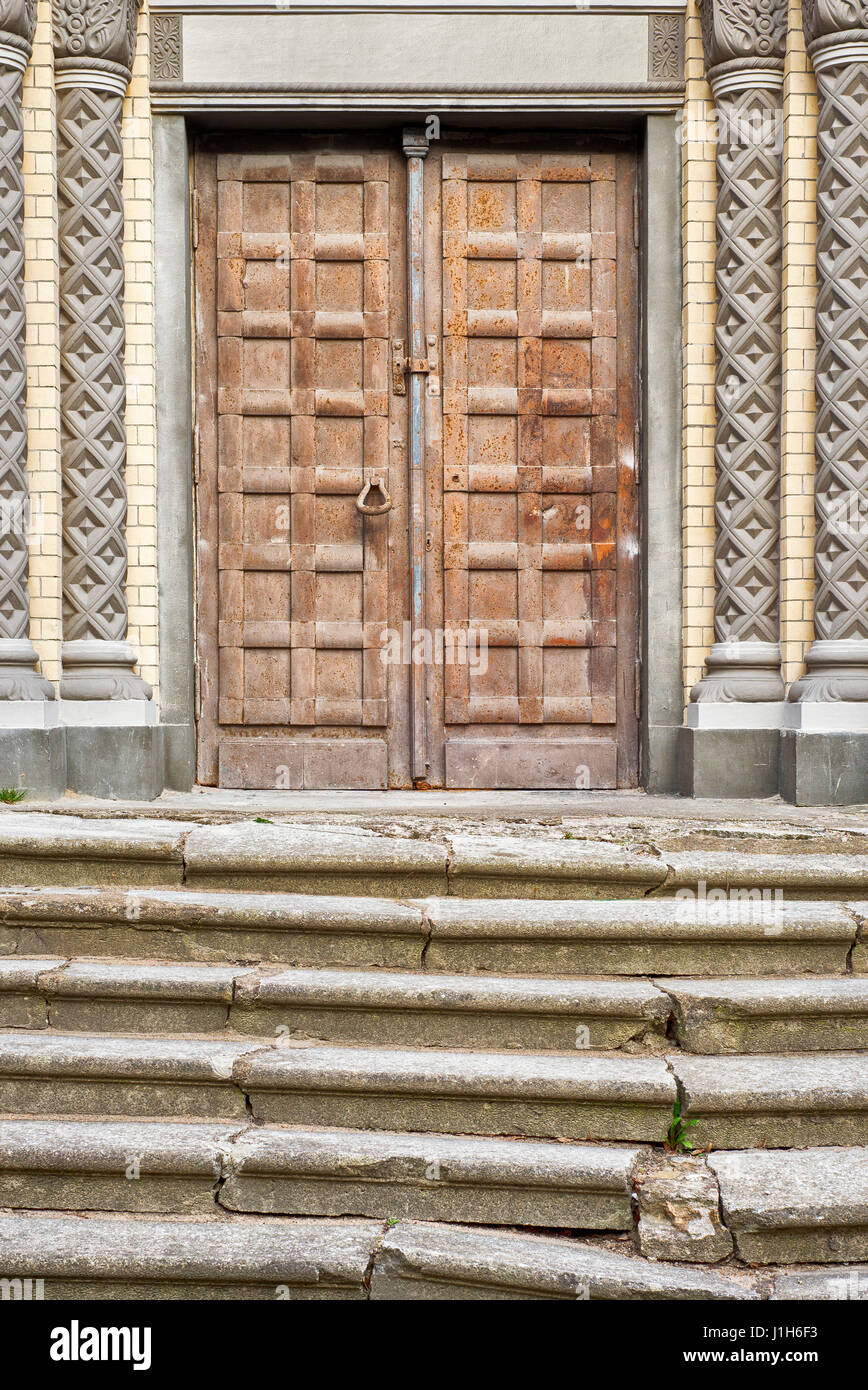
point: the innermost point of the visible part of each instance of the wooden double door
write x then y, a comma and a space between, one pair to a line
416, 462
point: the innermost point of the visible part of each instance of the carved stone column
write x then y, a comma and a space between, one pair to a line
837, 663
19, 680
744, 52
94, 42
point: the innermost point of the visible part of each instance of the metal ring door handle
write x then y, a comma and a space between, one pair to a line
373, 508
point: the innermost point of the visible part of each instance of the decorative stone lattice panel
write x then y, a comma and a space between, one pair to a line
837, 664
841, 603
94, 42
14, 604
748, 391
744, 48
92, 350
18, 677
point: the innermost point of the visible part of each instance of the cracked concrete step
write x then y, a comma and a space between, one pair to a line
107, 1165
186, 924
548, 1095
165, 1167
808, 1206
763, 879
141, 1257
115, 996
55, 848
816, 1015
505, 866
614, 937
20, 1004
775, 1101
46, 849
247, 855
38, 848
412, 1009
405, 1009
454, 1262
646, 937
843, 1282
48, 1073
431, 1177
551, 1095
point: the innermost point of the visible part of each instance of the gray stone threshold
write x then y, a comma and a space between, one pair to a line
220, 804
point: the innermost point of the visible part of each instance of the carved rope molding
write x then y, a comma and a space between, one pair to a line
94, 42
837, 663
744, 44
18, 677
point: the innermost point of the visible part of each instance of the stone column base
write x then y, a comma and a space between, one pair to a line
29, 714
729, 762
828, 716
736, 714
119, 763
33, 761
824, 768
107, 714
97, 671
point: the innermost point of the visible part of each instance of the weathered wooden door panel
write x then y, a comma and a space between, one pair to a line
538, 481
305, 244
531, 550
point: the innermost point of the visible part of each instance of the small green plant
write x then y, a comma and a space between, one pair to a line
675, 1140
262, 820
9, 795
392, 1221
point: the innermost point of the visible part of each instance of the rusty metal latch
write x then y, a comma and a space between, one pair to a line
373, 508
428, 366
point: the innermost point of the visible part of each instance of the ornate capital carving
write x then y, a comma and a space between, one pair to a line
17, 23
825, 17
97, 36
734, 30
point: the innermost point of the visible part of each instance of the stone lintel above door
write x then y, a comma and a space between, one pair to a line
209, 54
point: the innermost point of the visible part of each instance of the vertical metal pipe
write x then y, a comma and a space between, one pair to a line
416, 148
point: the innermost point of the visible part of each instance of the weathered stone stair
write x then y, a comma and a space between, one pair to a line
233, 1056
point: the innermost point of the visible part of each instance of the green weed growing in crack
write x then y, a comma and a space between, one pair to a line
9, 795
262, 820
675, 1140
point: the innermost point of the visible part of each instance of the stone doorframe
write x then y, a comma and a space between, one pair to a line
658, 229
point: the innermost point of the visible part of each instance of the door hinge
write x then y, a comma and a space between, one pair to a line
636, 215
194, 217
197, 454
637, 692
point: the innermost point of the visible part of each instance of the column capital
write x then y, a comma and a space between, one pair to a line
17, 24
738, 35
831, 19
94, 42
